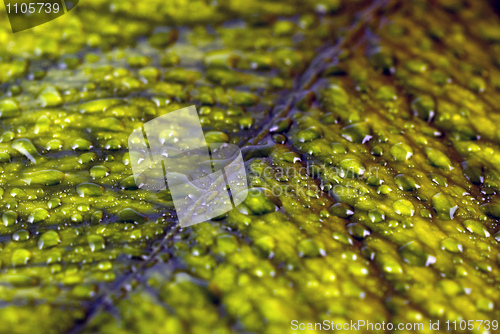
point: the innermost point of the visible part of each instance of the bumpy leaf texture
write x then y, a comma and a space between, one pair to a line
370, 136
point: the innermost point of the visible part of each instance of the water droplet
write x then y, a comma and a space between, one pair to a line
386, 93
403, 207
309, 248
9, 108
450, 287
406, 183
113, 145
129, 183
476, 227
38, 215
21, 235
54, 145
415, 254
99, 105
105, 265
438, 159
443, 206
129, 215
161, 40
485, 304
51, 97
9, 218
216, 137
98, 172
20, 257
451, 245
438, 179
96, 243
258, 202
376, 215
424, 107
388, 264
89, 190
81, 145
309, 134
358, 231
53, 203
401, 152
42, 125
49, 239
352, 168
109, 124
357, 133
84, 292
44, 178
26, 148
341, 210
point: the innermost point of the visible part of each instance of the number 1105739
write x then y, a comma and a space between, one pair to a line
471, 325
33, 8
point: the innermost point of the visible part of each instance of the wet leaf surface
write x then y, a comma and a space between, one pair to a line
370, 136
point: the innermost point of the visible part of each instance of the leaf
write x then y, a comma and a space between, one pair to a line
309, 90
